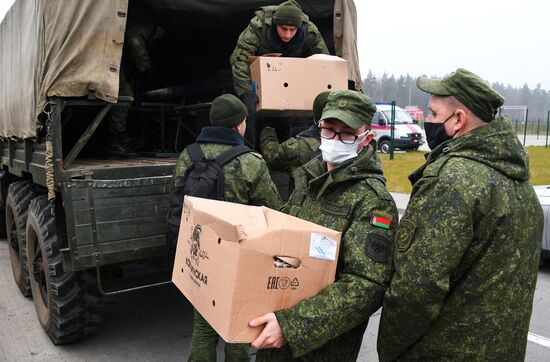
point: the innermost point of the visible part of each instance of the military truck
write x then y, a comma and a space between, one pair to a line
81, 226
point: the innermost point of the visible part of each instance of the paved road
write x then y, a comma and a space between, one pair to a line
155, 325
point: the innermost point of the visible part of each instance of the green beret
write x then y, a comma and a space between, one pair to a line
319, 104
351, 107
469, 89
288, 13
228, 111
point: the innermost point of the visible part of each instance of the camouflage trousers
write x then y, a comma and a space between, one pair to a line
205, 340
117, 116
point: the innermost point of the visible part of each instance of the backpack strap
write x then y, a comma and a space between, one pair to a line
231, 153
195, 152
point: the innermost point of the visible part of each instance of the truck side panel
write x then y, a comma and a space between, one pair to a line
113, 221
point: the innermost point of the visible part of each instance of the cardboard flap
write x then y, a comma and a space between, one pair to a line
253, 58
229, 221
326, 57
224, 229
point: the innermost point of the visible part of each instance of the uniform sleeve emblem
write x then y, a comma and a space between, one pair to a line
405, 234
381, 219
377, 248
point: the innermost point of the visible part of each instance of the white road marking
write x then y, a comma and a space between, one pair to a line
535, 338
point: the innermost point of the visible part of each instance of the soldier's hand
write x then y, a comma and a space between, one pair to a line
272, 334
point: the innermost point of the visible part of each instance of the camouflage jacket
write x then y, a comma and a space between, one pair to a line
247, 178
138, 38
260, 37
294, 152
330, 326
467, 254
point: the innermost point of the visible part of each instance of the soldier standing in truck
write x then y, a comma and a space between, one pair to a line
283, 29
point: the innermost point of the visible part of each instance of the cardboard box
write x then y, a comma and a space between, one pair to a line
291, 84
232, 263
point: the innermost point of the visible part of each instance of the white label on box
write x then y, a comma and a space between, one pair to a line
322, 247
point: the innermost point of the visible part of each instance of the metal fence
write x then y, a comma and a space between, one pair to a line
532, 132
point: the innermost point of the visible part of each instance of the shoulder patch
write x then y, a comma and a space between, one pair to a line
335, 209
381, 219
378, 248
404, 235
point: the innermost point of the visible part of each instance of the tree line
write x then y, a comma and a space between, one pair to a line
403, 90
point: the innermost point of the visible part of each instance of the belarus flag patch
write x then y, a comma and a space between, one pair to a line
381, 220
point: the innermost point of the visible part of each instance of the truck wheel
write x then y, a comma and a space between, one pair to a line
67, 302
384, 146
19, 197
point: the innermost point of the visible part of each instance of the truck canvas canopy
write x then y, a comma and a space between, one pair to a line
74, 48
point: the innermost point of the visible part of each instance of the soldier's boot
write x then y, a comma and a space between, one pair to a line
133, 144
117, 149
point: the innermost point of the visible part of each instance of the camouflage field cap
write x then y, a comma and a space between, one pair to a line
227, 111
469, 89
351, 107
288, 13
319, 104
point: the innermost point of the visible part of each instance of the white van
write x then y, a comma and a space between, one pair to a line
407, 134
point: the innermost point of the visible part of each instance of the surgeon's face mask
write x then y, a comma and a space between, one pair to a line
336, 152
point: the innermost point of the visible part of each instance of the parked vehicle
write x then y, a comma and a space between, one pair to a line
80, 226
416, 113
407, 134
543, 192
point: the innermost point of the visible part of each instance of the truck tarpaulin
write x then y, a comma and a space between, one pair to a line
73, 48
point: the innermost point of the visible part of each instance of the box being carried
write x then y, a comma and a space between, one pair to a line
291, 84
236, 262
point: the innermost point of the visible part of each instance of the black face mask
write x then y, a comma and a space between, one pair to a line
436, 134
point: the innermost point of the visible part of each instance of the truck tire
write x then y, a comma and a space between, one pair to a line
67, 302
19, 197
384, 146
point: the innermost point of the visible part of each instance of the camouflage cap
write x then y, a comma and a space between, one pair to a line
288, 13
469, 89
319, 104
227, 111
351, 107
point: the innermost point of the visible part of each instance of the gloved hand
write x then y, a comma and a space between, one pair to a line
268, 135
250, 100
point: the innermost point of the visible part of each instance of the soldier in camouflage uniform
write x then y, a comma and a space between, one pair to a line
246, 182
344, 189
140, 30
295, 151
468, 245
281, 29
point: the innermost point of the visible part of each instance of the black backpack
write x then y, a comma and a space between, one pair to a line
204, 178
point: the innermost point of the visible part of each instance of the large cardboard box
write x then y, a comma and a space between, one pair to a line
291, 84
233, 262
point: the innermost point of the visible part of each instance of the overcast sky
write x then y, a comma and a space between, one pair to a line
505, 41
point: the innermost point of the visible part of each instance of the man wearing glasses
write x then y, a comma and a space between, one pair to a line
343, 189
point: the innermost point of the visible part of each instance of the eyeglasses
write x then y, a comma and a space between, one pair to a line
344, 137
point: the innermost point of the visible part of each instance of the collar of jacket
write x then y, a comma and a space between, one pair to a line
365, 165
220, 135
494, 144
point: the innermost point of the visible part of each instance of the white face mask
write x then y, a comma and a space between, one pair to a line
336, 152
